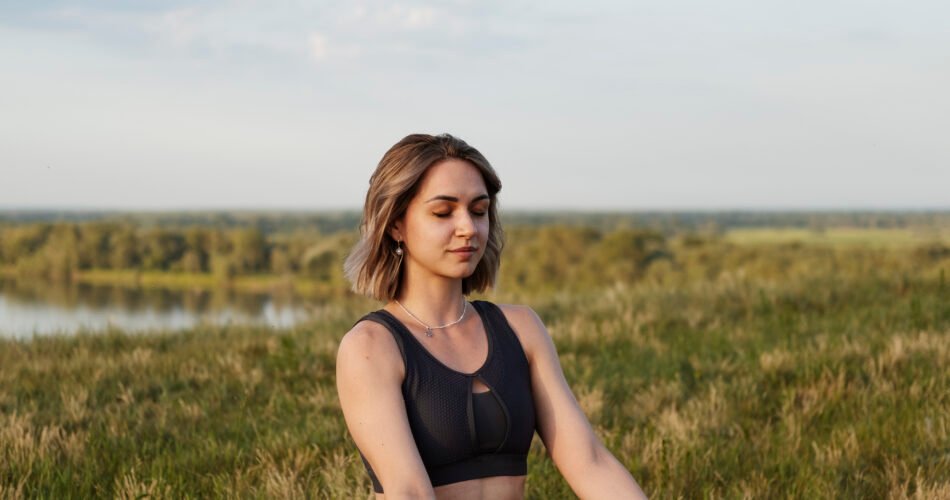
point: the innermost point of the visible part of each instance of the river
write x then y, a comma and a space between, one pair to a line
28, 309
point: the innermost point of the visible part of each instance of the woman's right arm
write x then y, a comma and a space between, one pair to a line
369, 374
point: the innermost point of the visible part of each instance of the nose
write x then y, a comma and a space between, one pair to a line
465, 226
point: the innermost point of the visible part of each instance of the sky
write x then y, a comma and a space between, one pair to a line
595, 105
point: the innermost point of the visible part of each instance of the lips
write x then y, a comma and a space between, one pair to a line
464, 250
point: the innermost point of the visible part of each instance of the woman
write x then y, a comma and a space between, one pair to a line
442, 396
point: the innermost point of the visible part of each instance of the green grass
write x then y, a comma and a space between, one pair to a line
758, 371
898, 237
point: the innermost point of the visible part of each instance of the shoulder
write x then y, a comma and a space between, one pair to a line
529, 328
520, 315
369, 348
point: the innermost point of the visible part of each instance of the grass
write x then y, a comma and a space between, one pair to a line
750, 371
897, 237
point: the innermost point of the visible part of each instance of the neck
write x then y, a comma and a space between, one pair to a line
434, 300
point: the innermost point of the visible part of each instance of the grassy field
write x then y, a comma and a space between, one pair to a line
763, 369
888, 238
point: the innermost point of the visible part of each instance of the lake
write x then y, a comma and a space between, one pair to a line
28, 309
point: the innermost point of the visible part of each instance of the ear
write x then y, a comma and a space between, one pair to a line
396, 232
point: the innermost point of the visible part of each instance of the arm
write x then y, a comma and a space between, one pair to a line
588, 467
369, 373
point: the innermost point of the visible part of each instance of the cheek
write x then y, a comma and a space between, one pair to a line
435, 232
483, 228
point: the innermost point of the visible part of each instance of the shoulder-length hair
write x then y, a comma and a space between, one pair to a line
372, 266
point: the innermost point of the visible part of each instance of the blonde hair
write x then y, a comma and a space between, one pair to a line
372, 266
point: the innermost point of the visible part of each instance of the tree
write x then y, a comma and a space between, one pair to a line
249, 253
123, 248
198, 250
547, 258
323, 261
280, 261
160, 248
94, 245
61, 252
19, 242
624, 254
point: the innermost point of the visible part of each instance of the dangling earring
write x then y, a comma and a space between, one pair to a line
399, 251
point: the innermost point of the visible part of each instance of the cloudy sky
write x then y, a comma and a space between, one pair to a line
595, 105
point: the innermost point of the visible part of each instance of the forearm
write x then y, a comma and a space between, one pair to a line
410, 483
411, 496
603, 476
409, 492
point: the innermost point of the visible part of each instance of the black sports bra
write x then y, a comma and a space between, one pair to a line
461, 436
490, 423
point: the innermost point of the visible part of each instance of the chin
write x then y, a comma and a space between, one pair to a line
462, 274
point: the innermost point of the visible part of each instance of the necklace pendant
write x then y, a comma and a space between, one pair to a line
430, 328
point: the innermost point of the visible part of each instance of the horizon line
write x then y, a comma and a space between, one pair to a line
547, 209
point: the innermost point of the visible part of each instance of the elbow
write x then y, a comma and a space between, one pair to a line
601, 455
597, 458
581, 458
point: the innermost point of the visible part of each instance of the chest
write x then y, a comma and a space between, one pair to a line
442, 406
465, 352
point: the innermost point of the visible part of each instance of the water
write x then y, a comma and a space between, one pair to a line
28, 309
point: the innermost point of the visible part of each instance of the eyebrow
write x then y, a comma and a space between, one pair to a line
455, 199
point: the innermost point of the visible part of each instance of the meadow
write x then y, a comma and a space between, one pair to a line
750, 365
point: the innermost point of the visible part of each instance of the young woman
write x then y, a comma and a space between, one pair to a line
441, 395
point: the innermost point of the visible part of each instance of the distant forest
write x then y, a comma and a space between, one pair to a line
328, 222
546, 250
58, 251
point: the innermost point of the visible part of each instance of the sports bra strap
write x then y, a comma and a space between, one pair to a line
394, 328
493, 313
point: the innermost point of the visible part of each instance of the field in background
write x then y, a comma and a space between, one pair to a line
841, 236
752, 364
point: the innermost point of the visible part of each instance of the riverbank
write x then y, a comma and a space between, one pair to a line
131, 278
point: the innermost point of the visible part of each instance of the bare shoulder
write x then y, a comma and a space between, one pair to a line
520, 315
527, 326
369, 372
369, 346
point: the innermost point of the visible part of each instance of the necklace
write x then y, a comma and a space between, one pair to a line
430, 328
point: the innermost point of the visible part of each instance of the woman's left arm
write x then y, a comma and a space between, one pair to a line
589, 468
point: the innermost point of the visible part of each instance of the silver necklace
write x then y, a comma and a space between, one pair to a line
430, 328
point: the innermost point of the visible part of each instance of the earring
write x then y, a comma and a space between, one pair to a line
399, 248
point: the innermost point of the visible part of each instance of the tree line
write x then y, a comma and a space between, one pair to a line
536, 257
668, 222
57, 251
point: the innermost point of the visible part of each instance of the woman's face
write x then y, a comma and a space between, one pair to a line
445, 227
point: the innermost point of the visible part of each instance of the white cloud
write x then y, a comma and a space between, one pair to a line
357, 13
211, 29
296, 32
176, 26
318, 47
401, 17
419, 17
